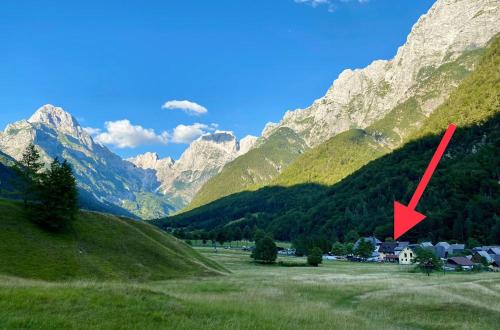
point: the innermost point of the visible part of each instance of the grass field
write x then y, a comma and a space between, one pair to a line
95, 246
335, 295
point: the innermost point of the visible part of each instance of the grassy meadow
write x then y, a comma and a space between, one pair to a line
335, 295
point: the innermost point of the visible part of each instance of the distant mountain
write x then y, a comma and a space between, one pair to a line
462, 200
258, 166
205, 157
106, 181
388, 100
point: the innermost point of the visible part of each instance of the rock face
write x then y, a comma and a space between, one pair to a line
204, 158
102, 176
388, 99
360, 97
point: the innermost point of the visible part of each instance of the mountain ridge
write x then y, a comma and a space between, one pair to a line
461, 202
413, 84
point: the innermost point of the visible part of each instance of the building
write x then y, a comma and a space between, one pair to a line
456, 248
495, 265
494, 250
407, 256
441, 250
427, 245
387, 248
478, 255
400, 247
455, 262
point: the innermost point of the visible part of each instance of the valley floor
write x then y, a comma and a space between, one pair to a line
335, 295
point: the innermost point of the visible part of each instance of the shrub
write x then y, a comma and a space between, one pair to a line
315, 257
265, 250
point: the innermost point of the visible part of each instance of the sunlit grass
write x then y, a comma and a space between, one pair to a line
335, 295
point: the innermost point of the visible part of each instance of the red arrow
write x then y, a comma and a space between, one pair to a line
405, 217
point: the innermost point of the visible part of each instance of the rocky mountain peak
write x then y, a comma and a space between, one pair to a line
56, 118
359, 97
247, 143
151, 160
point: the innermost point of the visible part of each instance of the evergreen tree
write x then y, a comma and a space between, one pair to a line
315, 257
29, 168
265, 250
58, 196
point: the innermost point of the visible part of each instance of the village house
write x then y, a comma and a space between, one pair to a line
400, 247
479, 255
456, 262
441, 250
407, 255
495, 265
386, 249
427, 245
494, 250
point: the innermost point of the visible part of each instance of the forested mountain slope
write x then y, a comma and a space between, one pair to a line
388, 99
255, 168
462, 200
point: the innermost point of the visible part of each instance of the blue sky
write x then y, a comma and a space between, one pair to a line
241, 63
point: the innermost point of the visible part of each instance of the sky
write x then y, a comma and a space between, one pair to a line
154, 75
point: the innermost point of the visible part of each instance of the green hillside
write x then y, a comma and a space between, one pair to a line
347, 152
284, 158
97, 247
461, 202
255, 168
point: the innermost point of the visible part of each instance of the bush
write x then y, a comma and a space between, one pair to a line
338, 249
265, 250
315, 257
364, 249
427, 261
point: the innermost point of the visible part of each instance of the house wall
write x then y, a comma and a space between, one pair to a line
406, 256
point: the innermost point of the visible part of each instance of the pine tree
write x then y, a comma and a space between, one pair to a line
29, 168
58, 196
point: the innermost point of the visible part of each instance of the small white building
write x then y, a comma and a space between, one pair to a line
406, 256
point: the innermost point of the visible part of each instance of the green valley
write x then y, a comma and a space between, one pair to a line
337, 295
466, 179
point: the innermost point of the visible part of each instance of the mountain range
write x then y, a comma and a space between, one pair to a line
144, 187
366, 114
461, 202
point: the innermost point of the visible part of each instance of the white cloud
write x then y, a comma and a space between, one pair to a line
189, 133
123, 134
92, 131
188, 107
314, 3
329, 4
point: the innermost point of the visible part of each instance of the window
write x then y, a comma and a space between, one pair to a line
411, 255
406, 255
